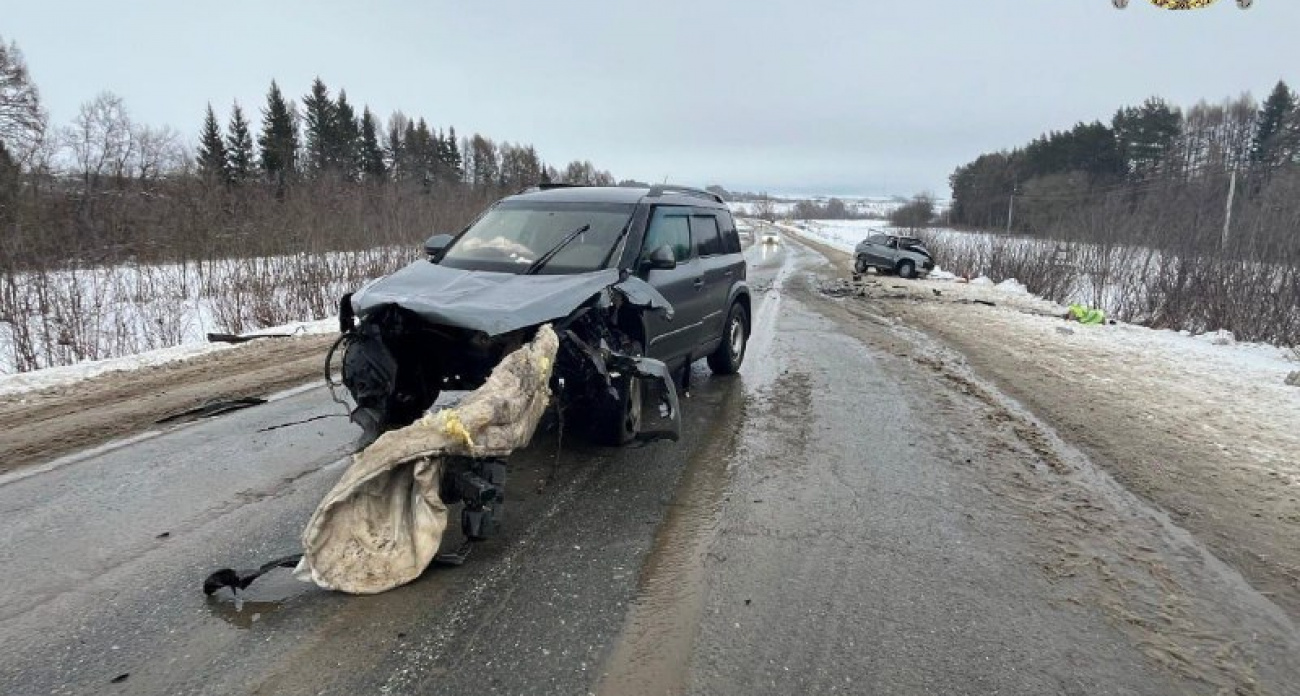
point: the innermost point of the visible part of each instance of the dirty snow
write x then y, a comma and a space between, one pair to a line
23, 382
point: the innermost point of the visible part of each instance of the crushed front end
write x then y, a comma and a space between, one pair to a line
398, 356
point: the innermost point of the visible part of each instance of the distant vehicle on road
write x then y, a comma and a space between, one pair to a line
771, 237
890, 253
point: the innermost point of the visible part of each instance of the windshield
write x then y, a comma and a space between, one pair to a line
513, 235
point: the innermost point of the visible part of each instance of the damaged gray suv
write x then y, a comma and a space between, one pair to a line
639, 283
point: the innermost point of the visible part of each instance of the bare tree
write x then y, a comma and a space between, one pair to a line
156, 151
764, 208
101, 139
22, 119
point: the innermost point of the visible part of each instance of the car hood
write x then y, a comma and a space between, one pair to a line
494, 303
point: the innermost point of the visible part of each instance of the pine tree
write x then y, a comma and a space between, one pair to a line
411, 147
319, 129
395, 146
1145, 134
240, 158
424, 150
212, 151
345, 139
1274, 141
372, 156
279, 138
455, 163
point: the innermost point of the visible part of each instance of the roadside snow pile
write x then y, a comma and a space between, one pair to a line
1012, 285
1218, 338
940, 274
982, 280
23, 382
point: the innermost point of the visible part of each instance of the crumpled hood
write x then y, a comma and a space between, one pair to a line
494, 303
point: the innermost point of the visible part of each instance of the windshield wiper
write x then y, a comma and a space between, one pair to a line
545, 258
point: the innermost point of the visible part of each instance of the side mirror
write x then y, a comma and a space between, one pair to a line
436, 245
662, 259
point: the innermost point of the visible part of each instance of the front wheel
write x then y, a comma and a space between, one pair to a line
620, 424
860, 265
730, 354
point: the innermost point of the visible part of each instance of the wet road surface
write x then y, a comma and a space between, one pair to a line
840, 518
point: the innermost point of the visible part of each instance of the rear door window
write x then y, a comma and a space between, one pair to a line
705, 235
878, 239
669, 224
730, 238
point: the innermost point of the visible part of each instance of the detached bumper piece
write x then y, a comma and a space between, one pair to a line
603, 370
661, 417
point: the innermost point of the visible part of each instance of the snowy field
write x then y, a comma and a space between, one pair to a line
71, 316
860, 206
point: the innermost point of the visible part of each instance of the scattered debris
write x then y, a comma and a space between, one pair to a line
240, 579
120, 678
235, 338
937, 292
1064, 330
843, 288
163, 535
302, 422
212, 408
1293, 379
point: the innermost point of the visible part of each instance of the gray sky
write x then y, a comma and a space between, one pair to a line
866, 96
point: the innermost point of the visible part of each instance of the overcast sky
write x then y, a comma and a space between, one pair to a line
812, 96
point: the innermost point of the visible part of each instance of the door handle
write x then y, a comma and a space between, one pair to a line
699, 283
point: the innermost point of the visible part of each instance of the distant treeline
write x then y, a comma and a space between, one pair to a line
1167, 168
314, 174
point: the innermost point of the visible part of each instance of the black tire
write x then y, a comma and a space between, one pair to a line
860, 265
906, 269
730, 354
618, 426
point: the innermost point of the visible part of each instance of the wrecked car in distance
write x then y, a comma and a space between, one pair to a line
638, 282
891, 253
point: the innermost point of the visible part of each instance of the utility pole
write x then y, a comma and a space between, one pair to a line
1227, 217
1011, 209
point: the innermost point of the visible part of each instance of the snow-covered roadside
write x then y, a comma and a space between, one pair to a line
23, 382
844, 235
1169, 376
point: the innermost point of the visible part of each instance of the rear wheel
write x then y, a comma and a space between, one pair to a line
906, 269
730, 354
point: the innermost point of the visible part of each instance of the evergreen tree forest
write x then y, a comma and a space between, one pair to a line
1155, 173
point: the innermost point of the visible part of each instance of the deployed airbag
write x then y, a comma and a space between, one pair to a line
382, 523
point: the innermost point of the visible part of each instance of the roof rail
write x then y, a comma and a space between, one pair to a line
548, 185
660, 189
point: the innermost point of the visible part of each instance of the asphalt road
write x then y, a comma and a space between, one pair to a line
837, 519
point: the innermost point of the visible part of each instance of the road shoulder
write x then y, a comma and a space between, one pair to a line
40, 426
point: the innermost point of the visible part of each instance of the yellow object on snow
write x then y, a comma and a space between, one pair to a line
1087, 315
